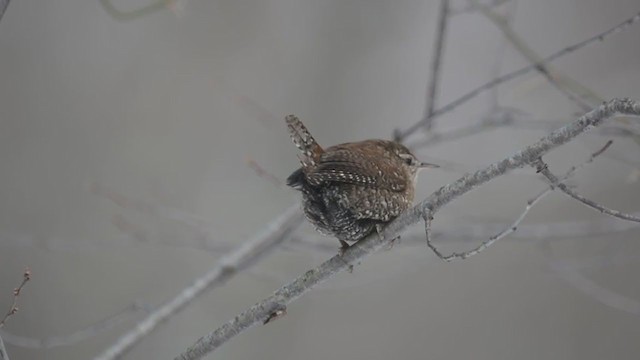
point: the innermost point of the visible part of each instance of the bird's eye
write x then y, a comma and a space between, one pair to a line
408, 159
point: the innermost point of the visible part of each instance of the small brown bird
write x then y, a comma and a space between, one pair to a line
350, 189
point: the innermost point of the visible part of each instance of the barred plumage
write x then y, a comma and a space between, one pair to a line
350, 188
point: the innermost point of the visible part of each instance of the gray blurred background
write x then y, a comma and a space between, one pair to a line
126, 144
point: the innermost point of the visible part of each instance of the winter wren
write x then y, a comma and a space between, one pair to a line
350, 189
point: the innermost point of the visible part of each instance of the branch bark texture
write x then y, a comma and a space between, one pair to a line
262, 310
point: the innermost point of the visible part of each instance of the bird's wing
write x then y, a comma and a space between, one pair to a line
351, 166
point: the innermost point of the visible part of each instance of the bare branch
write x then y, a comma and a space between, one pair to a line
3, 8
14, 304
401, 135
3, 351
499, 118
263, 173
262, 310
544, 170
122, 16
85, 333
485, 244
244, 256
13, 309
468, 8
151, 209
432, 91
563, 83
499, 54
514, 226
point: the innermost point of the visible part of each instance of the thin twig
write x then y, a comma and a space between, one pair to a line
499, 118
543, 169
469, 8
244, 256
514, 226
402, 135
570, 272
499, 53
446, 194
561, 82
122, 16
432, 91
199, 241
77, 336
485, 244
263, 173
151, 209
13, 309
594, 155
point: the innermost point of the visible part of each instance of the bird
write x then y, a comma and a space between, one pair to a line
351, 189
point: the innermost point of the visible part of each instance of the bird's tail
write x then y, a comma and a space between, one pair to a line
309, 148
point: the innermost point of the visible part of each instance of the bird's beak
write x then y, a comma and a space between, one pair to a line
425, 165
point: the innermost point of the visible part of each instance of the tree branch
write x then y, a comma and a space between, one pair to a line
13, 309
77, 336
402, 135
248, 253
513, 226
3, 7
432, 91
544, 170
563, 83
262, 310
133, 14
3, 351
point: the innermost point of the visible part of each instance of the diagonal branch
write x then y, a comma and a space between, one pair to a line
513, 226
75, 337
402, 135
563, 83
3, 7
544, 170
247, 254
262, 310
13, 309
485, 244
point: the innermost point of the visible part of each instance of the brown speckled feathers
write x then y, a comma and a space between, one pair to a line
350, 188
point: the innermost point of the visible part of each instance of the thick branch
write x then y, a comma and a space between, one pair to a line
274, 234
261, 311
